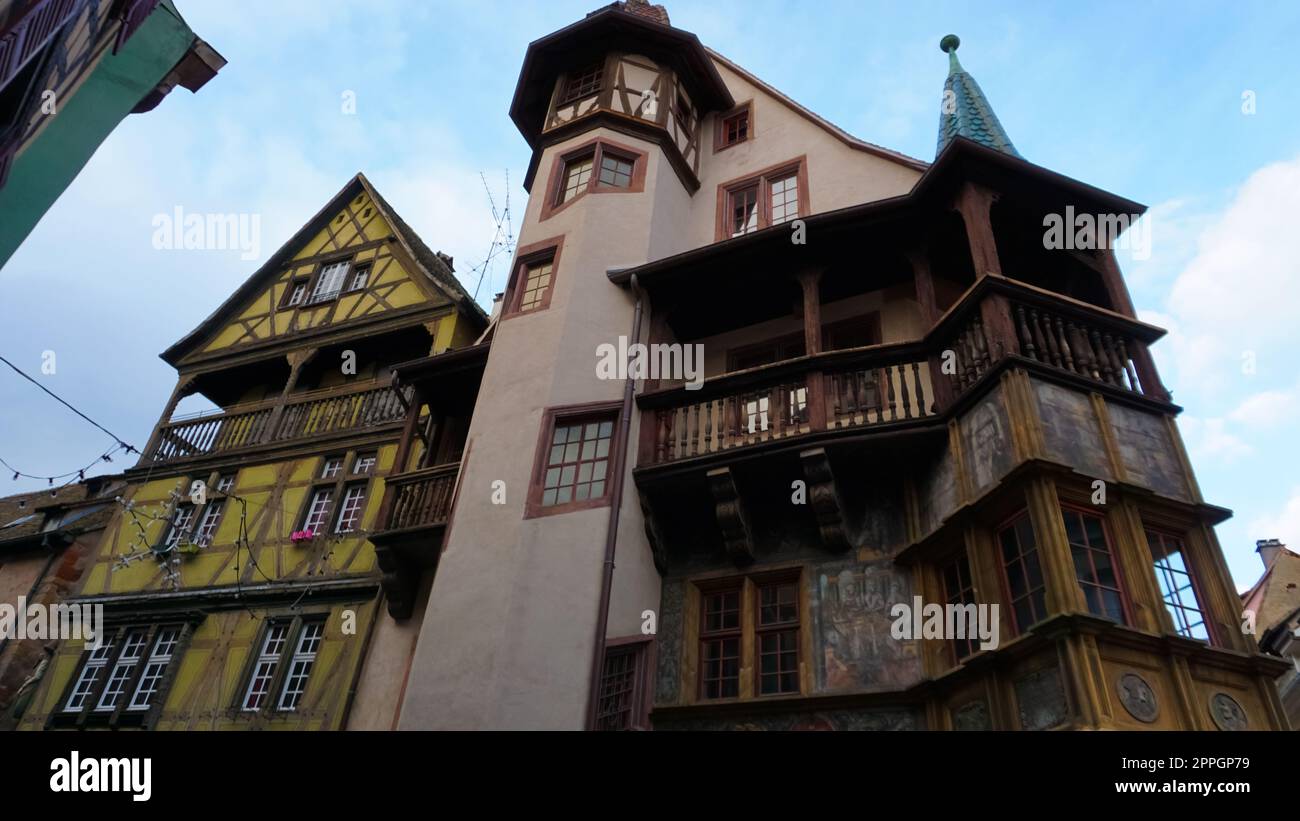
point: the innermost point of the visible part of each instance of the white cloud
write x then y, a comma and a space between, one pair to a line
1283, 524
1264, 409
1210, 440
1238, 294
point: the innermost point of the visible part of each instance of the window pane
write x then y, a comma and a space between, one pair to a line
744, 211
537, 282
578, 462
615, 171
576, 176
785, 199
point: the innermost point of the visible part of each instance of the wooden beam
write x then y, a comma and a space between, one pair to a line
824, 499
731, 516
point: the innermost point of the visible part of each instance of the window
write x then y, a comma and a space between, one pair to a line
318, 510
720, 636
598, 166
331, 467
351, 508
304, 657
122, 678
537, 284
578, 462
1094, 564
360, 278
277, 651
621, 700
330, 281
365, 464
577, 173
734, 127
94, 664
762, 200
615, 171
180, 526
683, 111
1177, 586
268, 658
160, 656
785, 199
959, 590
778, 638
226, 483
208, 523
744, 210
296, 293
583, 83
1024, 574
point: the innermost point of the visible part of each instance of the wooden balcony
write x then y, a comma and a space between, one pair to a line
254, 425
887, 387
411, 524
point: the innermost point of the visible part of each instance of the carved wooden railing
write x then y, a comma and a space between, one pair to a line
836, 390
421, 498
267, 423
1087, 349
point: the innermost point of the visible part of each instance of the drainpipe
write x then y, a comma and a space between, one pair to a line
611, 529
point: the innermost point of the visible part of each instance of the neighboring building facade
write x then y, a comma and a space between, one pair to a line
70, 71
47, 540
1273, 603
255, 599
906, 394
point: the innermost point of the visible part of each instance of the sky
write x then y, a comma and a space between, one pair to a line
1188, 107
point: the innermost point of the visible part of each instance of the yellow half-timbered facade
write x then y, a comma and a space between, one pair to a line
240, 583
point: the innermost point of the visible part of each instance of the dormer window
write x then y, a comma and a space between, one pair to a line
584, 82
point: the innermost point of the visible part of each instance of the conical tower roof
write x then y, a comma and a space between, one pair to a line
965, 111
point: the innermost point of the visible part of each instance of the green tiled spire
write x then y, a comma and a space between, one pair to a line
965, 111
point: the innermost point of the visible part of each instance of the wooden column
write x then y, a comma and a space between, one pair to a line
810, 281
1113, 281
400, 459
974, 203
1063, 594
296, 360
184, 387
923, 279
999, 326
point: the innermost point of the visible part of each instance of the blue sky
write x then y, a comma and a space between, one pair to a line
1141, 99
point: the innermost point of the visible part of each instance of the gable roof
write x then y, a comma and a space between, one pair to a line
1277, 593
435, 266
837, 132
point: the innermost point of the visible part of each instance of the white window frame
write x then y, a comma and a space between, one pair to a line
268, 659
300, 665
133, 643
160, 656
351, 505
330, 281
95, 663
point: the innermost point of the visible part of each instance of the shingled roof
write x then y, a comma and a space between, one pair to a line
965, 111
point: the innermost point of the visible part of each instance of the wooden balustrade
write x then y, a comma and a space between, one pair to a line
1078, 346
421, 498
259, 425
842, 389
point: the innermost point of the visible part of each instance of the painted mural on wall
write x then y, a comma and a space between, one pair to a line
819, 720
986, 441
852, 646
1071, 432
1041, 700
938, 492
1147, 450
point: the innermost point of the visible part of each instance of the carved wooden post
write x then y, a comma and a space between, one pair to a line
296, 360
810, 281
923, 279
974, 203
400, 460
999, 327
184, 387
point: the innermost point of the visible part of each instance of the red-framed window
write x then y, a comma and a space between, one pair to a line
1094, 564
533, 281
776, 638
720, 640
574, 466
959, 589
577, 176
770, 197
1023, 572
622, 702
734, 127
1178, 585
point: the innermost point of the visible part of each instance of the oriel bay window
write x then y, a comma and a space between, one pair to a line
770, 197
1178, 585
119, 682
1023, 572
1094, 564
754, 623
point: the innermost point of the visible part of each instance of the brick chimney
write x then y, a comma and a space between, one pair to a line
1268, 550
657, 13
